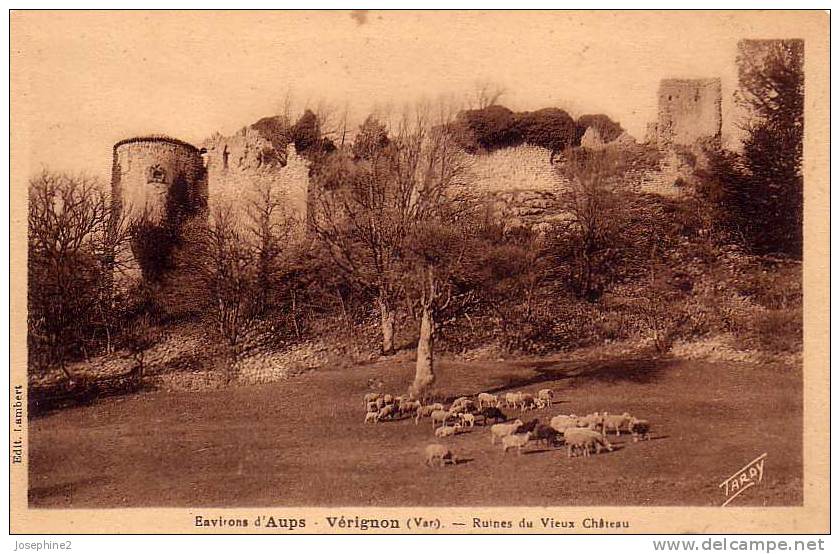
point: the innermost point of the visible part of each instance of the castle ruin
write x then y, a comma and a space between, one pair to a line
160, 184
165, 184
689, 112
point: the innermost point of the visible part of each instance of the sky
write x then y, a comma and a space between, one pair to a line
83, 80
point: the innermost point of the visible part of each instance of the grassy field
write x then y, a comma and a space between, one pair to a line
303, 441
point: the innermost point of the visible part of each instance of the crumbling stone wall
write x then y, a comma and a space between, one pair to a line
520, 185
519, 168
689, 111
240, 165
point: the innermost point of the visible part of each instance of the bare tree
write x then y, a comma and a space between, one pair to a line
227, 270
592, 228
74, 237
486, 93
140, 336
269, 229
433, 176
360, 215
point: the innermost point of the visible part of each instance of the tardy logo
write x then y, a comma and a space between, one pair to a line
746, 477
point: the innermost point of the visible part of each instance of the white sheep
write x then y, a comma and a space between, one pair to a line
462, 406
439, 454
616, 422
562, 422
422, 411
447, 431
468, 420
511, 399
515, 440
487, 400
545, 396
586, 440
371, 416
409, 406
440, 416
501, 430
371, 397
385, 411
591, 421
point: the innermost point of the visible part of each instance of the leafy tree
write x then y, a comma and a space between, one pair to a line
608, 129
771, 88
488, 129
371, 139
550, 128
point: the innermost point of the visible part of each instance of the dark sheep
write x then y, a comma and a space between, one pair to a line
548, 435
530, 426
493, 413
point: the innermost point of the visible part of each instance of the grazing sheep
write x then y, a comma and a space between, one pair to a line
463, 407
562, 422
530, 426
501, 430
422, 411
371, 407
487, 400
493, 413
616, 422
371, 397
511, 399
546, 396
440, 455
586, 440
446, 431
467, 420
592, 421
371, 416
515, 440
380, 403
547, 434
386, 411
640, 428
437, 406
409, 406
527, 401
388, 399
439, 416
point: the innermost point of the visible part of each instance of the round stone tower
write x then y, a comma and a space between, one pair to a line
160, 185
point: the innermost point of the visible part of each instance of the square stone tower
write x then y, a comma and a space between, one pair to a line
689, 111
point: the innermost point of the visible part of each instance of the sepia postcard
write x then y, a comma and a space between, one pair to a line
368, 272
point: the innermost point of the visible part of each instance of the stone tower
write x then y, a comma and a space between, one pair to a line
689, 111
160, 182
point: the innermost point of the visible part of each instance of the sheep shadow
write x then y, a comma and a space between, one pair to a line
541, 450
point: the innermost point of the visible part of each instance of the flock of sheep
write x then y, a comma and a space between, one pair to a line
581, 435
